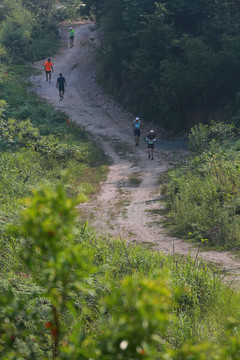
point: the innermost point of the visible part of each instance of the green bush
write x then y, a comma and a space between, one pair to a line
27, 35
203, 138
20, 133
15, 32
72, 9
202, 196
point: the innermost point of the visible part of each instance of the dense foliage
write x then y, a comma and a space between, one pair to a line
172, 61
28, 30
202, 195
71, 9
66, 294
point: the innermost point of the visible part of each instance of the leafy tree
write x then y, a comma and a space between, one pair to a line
27, 30
190, 15
226, 17
171, 62
40, 8
15, 30
57, 266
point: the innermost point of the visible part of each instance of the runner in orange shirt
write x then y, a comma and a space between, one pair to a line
48, 67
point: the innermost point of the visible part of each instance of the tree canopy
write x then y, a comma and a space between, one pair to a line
174, 61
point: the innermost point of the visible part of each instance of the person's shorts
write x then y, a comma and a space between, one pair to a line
61, 87
137, 132
151, 146
48, 72
71, 37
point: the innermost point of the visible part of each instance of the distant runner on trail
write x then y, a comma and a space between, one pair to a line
61, 82
48, 67
151, 138
71, 36
136, 126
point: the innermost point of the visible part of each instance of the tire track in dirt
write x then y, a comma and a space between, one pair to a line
129, 201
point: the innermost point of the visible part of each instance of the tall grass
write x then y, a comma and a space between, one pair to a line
202, 304
202, 307
202, 196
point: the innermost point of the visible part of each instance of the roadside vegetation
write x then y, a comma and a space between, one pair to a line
40, 146
202, 195
67, 292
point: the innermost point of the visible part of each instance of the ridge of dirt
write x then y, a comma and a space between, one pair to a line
128, 203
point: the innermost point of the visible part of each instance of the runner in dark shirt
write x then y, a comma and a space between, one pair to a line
151, 138
61, 82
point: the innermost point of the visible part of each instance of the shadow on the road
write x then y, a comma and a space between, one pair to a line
171, 145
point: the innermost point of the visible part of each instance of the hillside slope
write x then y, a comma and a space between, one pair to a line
128, 204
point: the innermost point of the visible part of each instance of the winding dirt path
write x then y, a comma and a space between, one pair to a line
129, 202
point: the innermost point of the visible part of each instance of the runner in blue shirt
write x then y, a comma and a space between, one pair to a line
136, 126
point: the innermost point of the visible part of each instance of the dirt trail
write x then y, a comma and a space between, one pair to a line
128, 204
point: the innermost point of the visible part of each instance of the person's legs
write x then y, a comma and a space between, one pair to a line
136, 136
152, 152
61, 91
136, 140
46, 75
49, 76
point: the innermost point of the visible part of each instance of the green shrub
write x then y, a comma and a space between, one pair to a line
20, 133
203, 138
202, 195
27, 35
72, 9
15, 33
